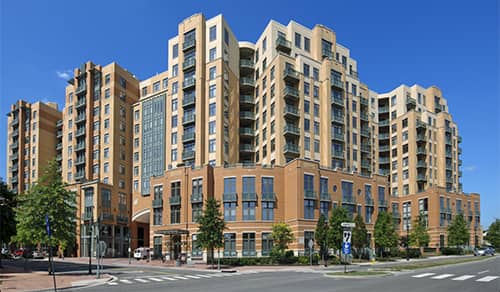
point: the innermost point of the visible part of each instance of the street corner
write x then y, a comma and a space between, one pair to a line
93, 282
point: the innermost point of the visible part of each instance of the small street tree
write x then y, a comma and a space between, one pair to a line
282, 236
493, 236
359, 235
458, 232
7, 205
321, 237
335, 232
47, 197
211, 227
419, 237
385, 232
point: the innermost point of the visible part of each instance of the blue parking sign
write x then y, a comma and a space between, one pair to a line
346, 248
47, 224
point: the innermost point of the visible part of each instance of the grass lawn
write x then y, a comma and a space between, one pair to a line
359, 273
415, 266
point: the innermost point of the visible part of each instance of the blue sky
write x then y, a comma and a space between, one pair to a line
451, 44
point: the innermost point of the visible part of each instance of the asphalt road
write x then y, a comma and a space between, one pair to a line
475, 276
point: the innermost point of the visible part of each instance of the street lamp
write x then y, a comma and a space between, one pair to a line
129, 247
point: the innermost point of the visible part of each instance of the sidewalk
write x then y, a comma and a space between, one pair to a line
15, 279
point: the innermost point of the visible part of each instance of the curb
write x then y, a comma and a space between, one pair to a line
91, 283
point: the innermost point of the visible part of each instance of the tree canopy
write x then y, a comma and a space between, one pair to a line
359, 233
335, 233
321, 235
385, 232
282, 236
211, 227
458, 232
493, 236
419, 236
7, 205
49, 197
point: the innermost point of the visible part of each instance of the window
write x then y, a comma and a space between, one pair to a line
106, 138
212, 90
165, 82
144, 91
197, 210
211, 127
307, 89
267, 244
175, 51
211, 109
156, 86
307, 143
230, 204
268, 193
173, 154
212, 72
226, 36
174, 121
407, 216
249, 244
308, 236
175, 104
229, 244
211, 145
297, 40
308, 193
307, 125
316, 128
175, 87
212, 54
107, 93
106, 152
307, 70
306, 106
106, 124
213, 33
307, 44
315, 74
316, 91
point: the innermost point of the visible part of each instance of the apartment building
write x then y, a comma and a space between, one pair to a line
97, 153
31, 142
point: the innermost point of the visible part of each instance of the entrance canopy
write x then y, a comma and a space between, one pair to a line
172, 232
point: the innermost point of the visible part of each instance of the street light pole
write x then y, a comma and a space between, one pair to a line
91, 223
407, 240
129, 248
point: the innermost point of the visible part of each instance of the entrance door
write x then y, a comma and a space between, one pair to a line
175, 246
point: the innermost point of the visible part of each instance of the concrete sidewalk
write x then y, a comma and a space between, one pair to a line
16, 279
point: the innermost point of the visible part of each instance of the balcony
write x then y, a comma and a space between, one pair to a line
338, 83
188, 137
460, 173
87, 216
384, 148
291, 93
80, 118
107, 217
188, 83
421, 151
421, 137
363, 117
59, 133
291, 130
189, 63
421, 125
363, 101
197, 198
309, 194
247, 115
14, 156
326, 53
81, 89
284, 45
421, 177
383, 109
448, 129
249, 197
338, 136
59, 123
460, 162
188, 100
80, 132
448, 154
188, 44
14, 145
188, 118
15, 133
459, 139
188, 154
350, 200
291, 111
58, 157
230, 197
383, 136
290, 75
382, 203
80, 146
411, 103
247, 148
81, 102
325, 197
158, 203
247, 99
290, 148
459, 150
14, 180
268, 197
448, 141
336, 100
248, 82
384, 160
369, 201
365, 164
79, 160
449, 180
247, 132
338, 154
449, 166
121, 219
384, 123
14, 122
246, 64
421, 164
338, 119
174, 200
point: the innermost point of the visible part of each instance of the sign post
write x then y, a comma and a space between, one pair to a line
310, 244
51, 260
346, 241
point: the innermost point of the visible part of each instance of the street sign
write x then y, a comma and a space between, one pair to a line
102, 248
346, 248
310, 243
347, 236
47, 224
348, 224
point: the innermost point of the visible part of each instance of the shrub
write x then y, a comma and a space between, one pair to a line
452, 251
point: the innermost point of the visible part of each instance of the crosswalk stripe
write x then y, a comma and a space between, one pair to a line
423, 275
141, 280
180, 278
156, 279
192, 277
218, 275
112, 283
487, 279
443, 276
463, 278
126, 281
204, 276
168, 278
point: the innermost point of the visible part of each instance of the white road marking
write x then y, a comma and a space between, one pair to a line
463, 278
141, 280
180, 278
423, 275
204, 276
482, 272
192, 277
219, 275
126, 281
487, 279
156, 279
112, 283
443, 276
168, 278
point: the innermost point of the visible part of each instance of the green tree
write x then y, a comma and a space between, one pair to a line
359, 235
211, 227
419, 236
47, 197
458, 232
282, 236
385, 232
321, 237
335, 232
493, 236
7, 205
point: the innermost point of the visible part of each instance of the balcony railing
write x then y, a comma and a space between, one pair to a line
291, 148
249, 197
383, 136
421, 164
230, 197
421, 151
421, 177
338, 136
338, 83
291, 93
247, 148
291, 129
269, 197
363, 101
365, 164
384, 148
282, 44
383, 109
188, 100
364, 116
348, 200
308, 194
187, 155
80, 146
187, 137
338, 119
245, 131
189, 82
383, 123
338, 100
291, 110
325, 197
384, 160
188, 118
365, 148
247, 99
196, 198
189, 63
247, 115
247, 81
174, 200
122, 219
245, 63
157, 203
80, 132
291, 75
80, 103
188, 44
327, 53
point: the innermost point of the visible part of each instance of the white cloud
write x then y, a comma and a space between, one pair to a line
470, 168
66, 74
